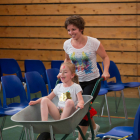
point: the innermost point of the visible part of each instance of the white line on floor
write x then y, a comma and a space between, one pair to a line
89, 132
12, 127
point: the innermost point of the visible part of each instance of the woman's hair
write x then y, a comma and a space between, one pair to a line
72, 68
77, 21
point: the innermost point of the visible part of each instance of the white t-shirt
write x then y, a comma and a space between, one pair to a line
65, 93
84, 58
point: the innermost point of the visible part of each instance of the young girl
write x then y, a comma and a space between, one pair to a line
68, 92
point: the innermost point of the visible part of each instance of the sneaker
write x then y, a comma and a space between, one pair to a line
95, 132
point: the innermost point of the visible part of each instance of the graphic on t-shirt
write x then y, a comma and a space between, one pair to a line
82, 63
65, 96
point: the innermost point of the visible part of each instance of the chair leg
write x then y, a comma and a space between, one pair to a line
101, 107
1, 127
1, 135
22, 134
124, 105
3, 122
102, 111
115, 101
24, 85
107, 109
139, 92
117, 104
0, 86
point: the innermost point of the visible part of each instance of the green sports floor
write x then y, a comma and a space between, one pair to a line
12, 130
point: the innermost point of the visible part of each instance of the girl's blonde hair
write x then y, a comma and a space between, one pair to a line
72, 68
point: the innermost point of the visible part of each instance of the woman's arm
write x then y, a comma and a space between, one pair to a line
67, 59
50, 96
102, 53
80, 100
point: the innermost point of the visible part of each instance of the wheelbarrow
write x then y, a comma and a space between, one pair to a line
30, 118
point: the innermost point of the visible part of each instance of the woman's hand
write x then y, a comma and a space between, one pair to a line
32, 102
80, 105
106, 75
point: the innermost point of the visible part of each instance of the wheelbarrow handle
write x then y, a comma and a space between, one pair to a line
58, 80
96, 85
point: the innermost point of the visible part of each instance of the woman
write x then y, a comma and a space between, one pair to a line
81, 50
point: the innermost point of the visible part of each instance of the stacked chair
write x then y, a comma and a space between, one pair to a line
103, 92
35, 83
12, 87
114, 71
52, 78
116, 87
56, 63
10, 66
36, 65
125, 132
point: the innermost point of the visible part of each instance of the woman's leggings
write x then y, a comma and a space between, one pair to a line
87, 90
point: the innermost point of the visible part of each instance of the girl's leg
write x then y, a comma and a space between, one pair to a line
48, 107
68, 109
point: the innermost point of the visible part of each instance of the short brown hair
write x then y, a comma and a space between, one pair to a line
77, 21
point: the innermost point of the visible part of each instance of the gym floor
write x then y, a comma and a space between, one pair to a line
12, 130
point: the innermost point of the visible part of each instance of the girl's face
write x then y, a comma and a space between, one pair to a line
73, 31
65, 74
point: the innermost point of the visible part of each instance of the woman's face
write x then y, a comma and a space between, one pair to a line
73, 31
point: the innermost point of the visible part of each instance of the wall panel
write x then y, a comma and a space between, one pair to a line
60, 32
105, 20
34, 29
59, 1
64, 9
109, 45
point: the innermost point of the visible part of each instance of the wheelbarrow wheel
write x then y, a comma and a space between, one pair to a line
44, 136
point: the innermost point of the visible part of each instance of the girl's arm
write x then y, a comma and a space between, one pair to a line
50, 96
80, 100
102, 53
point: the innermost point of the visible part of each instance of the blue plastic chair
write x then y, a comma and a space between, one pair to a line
122, 131
12, 87
9, 111
35, 83
35, 65
0, 77
10, 66
103, 92
56, 63
52, 78
118, 76
116, 87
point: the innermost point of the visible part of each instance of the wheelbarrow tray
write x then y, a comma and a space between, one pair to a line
31, 117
